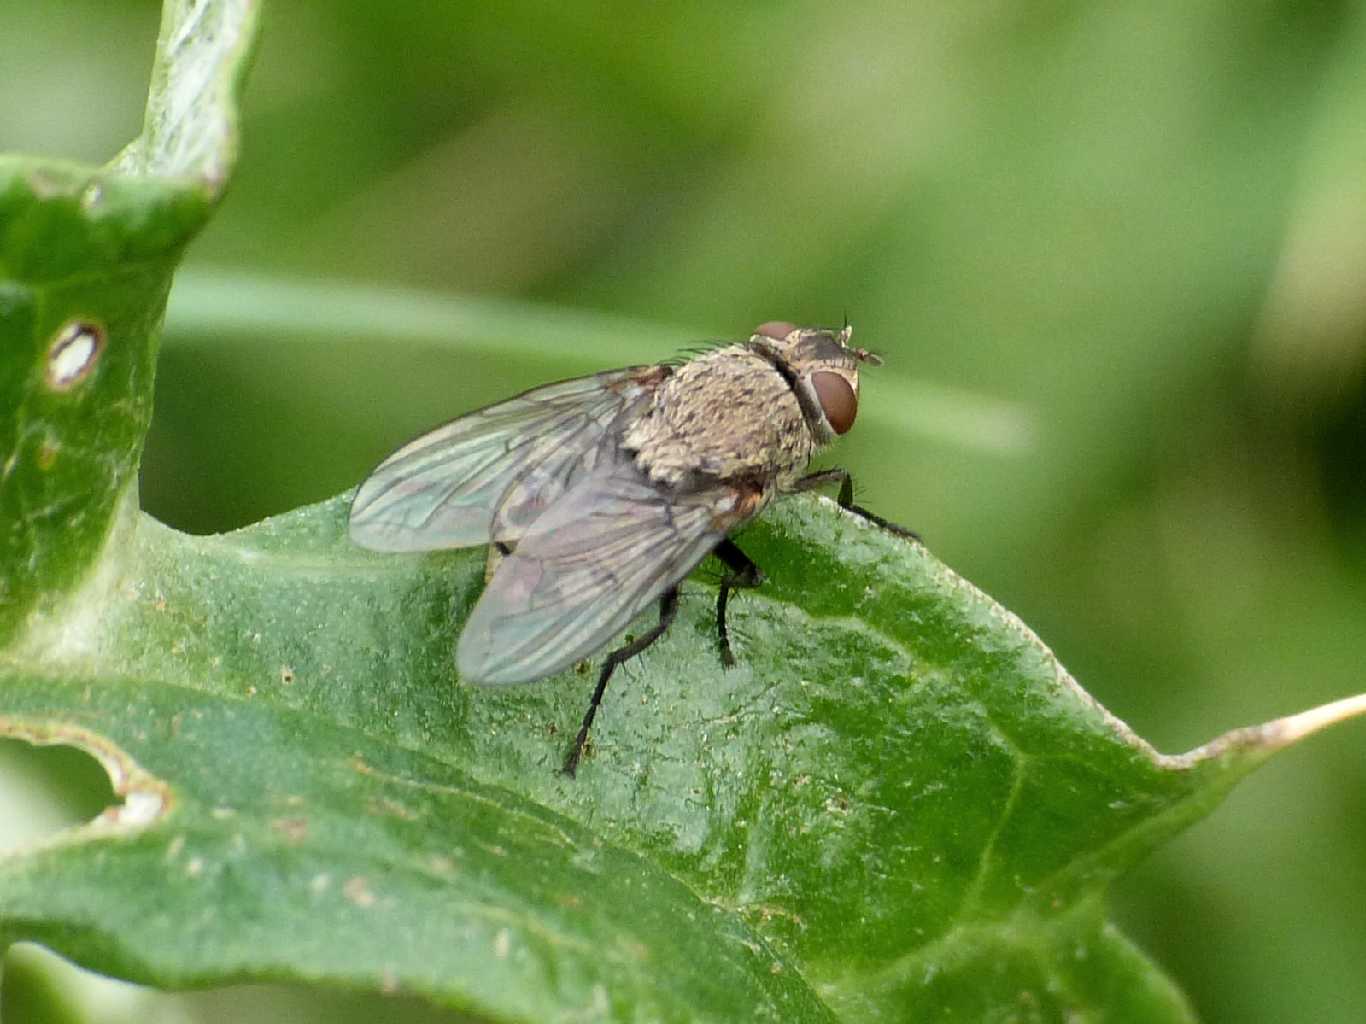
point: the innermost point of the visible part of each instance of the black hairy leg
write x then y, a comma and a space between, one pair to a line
743, 573
668, 608
840, 475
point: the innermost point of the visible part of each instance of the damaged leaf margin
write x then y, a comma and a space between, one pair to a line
145, 798
1259, 742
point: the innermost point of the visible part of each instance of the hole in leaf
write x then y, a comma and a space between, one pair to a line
46, 789
73, 354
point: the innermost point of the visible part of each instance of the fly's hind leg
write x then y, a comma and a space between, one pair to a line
668, 608
840, 475
743, 573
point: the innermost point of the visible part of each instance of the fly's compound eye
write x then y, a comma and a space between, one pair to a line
778, 330
837, 398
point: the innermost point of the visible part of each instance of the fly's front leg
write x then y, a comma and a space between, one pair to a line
840, 475
668, 608
743, 573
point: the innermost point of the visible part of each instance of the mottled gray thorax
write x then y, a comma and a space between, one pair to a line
726, 415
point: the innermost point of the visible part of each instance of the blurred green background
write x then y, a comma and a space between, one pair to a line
1114, 254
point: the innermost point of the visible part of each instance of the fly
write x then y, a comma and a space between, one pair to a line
604, 492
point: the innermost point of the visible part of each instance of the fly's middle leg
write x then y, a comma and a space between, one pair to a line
743, 573
668, 608
840, 475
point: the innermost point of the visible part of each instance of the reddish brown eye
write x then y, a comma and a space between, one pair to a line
837, 398
776, 329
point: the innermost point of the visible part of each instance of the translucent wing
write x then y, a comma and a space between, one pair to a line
487, 475
601, 554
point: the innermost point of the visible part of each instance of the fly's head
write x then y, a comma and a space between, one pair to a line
821, 367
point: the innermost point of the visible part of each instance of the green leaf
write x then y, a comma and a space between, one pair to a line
86, 257
897, 807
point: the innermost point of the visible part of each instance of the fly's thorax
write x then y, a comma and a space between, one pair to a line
724, 415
